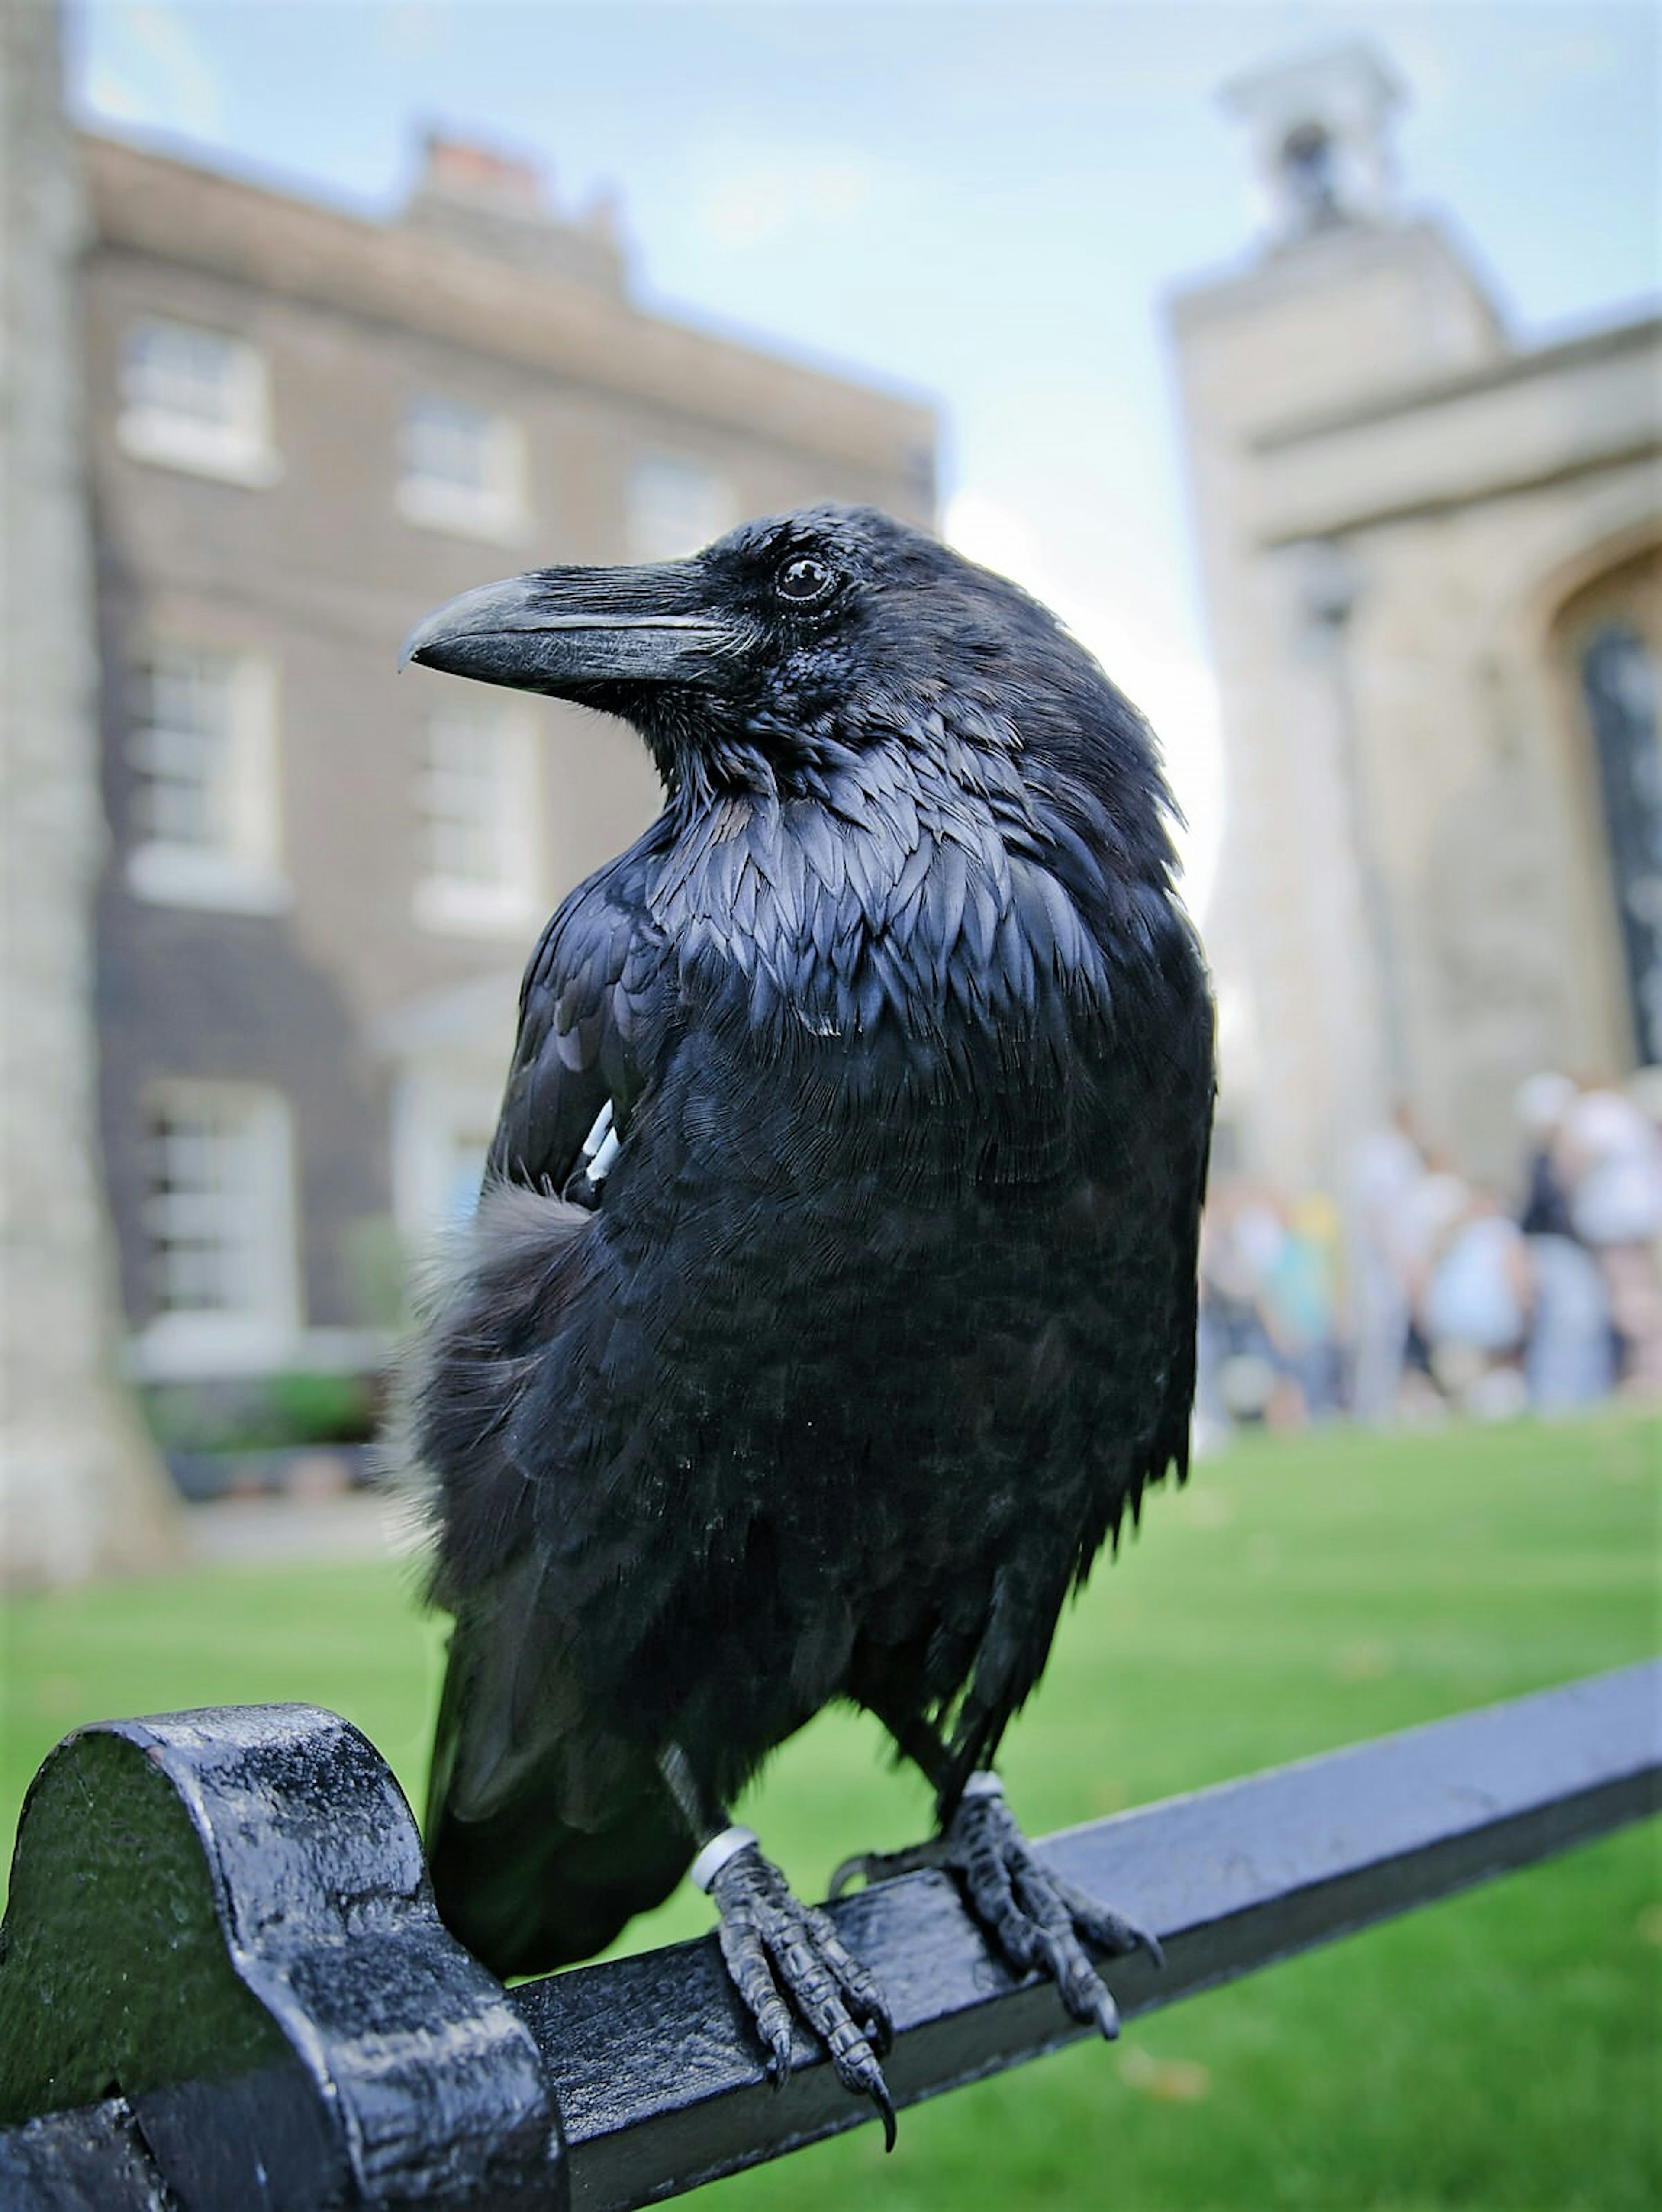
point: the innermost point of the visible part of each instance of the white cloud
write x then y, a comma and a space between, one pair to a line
110, 96
1176, 691
764, 198
149, 69
417, 31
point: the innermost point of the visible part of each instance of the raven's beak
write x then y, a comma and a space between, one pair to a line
567, 630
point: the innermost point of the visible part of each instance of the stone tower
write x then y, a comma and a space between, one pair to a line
1415, 902
80, 1488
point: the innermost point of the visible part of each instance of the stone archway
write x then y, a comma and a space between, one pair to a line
1605, 645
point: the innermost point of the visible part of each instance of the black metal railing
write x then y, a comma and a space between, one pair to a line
224, 1984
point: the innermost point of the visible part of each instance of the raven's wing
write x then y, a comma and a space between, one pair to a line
544, 1832
584, 1016
586, 1031
1159, 1075
1140, 1309
1189, 1095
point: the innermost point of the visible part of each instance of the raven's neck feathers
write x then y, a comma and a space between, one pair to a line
853, 876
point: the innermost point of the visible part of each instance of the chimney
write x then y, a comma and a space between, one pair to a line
496, 204
462, 170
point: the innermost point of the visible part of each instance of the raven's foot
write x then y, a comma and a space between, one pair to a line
777, 1949
1039, 1921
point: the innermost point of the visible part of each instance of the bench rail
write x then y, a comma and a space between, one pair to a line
224, 1982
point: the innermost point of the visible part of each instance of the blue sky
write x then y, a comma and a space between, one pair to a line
982, 203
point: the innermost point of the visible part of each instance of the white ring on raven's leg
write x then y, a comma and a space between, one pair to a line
983, 1784
717, 1851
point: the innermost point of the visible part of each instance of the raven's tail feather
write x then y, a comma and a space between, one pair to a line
545, 1833
540, 1853
526, 1893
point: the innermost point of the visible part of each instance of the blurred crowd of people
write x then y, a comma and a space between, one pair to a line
1416, 1291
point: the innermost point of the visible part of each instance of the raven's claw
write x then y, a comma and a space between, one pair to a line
772, 1942
1034, 1917
883, 1866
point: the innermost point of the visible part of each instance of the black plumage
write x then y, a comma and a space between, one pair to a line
884, 1316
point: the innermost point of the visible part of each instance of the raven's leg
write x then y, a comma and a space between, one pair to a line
781, 1953
1040, 1922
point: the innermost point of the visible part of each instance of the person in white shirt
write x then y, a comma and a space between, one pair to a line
1609, 1154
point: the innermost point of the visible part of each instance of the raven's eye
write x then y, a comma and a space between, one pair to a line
803, 580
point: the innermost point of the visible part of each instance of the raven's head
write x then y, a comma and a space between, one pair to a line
793, 641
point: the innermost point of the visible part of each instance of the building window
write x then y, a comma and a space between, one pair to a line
675, 508
206, 801
218, 1217
461, 468
196, 399
465, 1148
478, 800
1309, 163
443, 1122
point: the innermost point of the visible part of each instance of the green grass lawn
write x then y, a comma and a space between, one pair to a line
1500, 2051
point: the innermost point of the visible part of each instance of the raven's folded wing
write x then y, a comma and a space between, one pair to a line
585, 1018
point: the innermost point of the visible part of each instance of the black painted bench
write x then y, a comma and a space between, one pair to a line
223, 1984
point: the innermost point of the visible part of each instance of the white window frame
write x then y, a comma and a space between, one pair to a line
237, 449
432, 1110
240, 870
495, 508
262, 1332
508, 899
676, 506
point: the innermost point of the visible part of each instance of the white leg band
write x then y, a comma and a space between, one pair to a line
983, 1784
598, 1135
717, 1852
601, 1166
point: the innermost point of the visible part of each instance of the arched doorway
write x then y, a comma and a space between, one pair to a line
1608, 639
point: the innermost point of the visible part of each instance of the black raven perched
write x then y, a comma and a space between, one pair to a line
831, 1298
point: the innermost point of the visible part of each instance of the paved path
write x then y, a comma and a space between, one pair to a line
355, 1525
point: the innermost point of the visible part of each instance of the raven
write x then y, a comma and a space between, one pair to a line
831, 1297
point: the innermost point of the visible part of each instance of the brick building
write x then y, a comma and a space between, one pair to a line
307, 430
